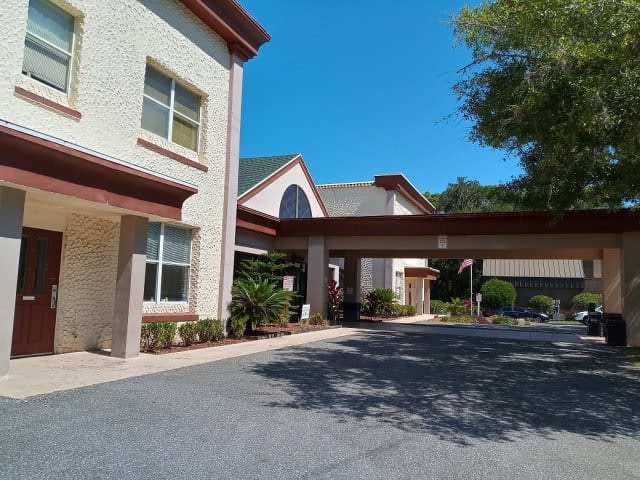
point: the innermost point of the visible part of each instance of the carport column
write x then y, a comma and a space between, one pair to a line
612, 280
420, 296
631, 286
427, 296
351, 288
127, 317
11, 213
317, 276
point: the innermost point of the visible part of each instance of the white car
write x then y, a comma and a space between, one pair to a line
582, 316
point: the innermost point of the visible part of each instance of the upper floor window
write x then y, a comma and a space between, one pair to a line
169, 110
48, 45
168, 264
294, 203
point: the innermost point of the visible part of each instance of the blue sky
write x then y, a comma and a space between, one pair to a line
363, 87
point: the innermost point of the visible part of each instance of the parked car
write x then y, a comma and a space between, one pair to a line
582, 316
519, 312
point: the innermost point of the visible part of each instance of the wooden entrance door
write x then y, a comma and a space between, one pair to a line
37, 292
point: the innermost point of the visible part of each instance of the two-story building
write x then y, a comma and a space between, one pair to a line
119, 147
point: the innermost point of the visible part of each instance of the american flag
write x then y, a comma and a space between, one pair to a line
464, 264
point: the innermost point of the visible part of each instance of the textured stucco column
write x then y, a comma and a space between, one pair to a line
231, 185
127, 318
317, 275
612, 280
631, 286
352, 288
420, 296
427, 296
11, 213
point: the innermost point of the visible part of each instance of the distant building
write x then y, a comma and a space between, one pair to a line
559, 279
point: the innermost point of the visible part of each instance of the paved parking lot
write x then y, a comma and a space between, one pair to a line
384, 404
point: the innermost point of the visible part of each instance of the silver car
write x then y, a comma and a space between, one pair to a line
582, 316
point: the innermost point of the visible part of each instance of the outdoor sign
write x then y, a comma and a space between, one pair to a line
287, 283
443, 241
478, 297
306, 310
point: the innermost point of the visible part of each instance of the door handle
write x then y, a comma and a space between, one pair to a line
54, 296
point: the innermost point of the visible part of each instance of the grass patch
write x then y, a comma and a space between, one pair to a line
459, 319
632, 354
503, 320
564, 322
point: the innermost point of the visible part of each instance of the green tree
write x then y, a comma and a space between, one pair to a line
557, 84
270, 266
259, 302
466, 196
498, 293
450, 284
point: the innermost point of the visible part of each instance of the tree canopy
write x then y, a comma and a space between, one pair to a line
466, 196
557, 84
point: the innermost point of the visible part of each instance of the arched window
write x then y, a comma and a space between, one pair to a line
294, 203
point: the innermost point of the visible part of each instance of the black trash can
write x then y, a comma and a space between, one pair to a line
615, 329
351, 311
594, 326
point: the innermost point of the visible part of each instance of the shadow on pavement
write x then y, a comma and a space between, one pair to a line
463, 390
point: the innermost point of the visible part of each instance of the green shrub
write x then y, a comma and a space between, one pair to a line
237, 326
166, 333
403, 310
148, 337
379, 301
503, 320
438, 307
304, 322
541, 303
157, 335
457, 307
210, 330
259, 302
188, 333
316, 319
582, 300
498, 293
459, 319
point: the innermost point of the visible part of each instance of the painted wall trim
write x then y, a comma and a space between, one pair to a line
23, 92
169, 317
173, 155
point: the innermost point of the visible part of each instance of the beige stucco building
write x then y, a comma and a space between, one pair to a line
119, 132
393, 194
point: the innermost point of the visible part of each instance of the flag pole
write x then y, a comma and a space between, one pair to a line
471, 290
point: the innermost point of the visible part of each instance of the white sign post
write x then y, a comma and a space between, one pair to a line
478, 301
443, 241
287, 283
306, 310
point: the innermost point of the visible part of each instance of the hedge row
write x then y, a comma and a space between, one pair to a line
163, 334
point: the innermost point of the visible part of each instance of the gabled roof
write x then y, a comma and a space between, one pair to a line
390, 181
255, 170
533, 268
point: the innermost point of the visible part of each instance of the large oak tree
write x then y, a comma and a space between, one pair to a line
557, 83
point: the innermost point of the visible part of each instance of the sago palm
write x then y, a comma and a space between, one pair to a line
259, 302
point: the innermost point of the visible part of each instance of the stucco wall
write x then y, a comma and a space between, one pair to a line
268, 200
354, 201
87, 283
113, 44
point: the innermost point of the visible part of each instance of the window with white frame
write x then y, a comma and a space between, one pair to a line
168, 264
48, 44
170, 110
294, 203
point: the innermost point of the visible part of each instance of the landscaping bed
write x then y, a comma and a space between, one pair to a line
197, 346
271, 331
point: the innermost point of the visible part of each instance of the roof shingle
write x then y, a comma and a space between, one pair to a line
254, 170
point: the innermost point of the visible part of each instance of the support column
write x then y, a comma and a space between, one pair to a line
11, 213
317, 276
427, 296
612, 280
127, 319
351, 305
631, 286
231, 186
420, 296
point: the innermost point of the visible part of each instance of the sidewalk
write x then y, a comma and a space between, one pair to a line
39, 375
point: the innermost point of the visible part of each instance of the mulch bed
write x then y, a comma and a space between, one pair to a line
266, 331
197, 346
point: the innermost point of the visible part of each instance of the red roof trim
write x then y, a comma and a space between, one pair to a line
400, 183
227, 18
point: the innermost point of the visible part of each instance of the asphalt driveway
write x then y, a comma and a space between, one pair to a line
386, 404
